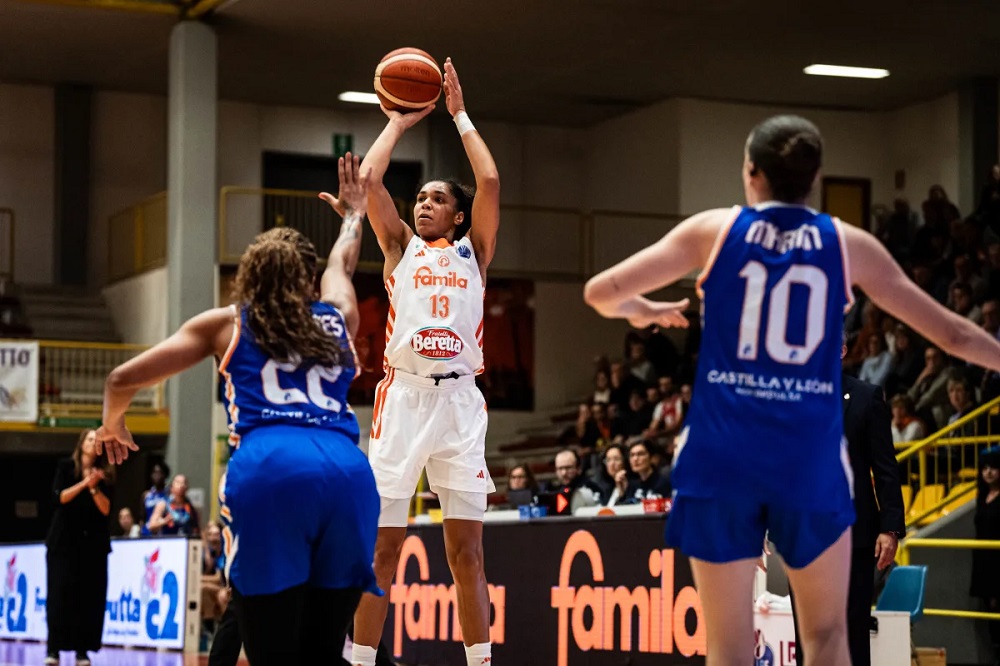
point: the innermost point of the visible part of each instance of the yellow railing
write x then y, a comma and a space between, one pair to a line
7, 243
137, 238
974, 544
946, 464
71, 379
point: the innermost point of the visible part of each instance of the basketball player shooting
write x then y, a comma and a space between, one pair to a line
429, 414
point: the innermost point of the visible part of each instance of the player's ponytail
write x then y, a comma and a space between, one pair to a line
789, 150
275, 282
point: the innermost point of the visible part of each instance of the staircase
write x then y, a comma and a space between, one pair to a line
67, 313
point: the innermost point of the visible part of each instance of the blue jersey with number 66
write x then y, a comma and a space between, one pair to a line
260, 391
766, 420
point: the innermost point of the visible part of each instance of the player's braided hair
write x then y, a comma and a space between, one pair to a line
275, 283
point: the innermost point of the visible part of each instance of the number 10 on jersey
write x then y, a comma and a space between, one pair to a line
776, 342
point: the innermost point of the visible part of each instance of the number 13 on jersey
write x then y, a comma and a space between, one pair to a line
776, 342
440, 306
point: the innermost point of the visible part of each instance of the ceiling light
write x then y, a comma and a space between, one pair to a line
359, 97
850, 72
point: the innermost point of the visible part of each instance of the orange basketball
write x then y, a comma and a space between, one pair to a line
407, 80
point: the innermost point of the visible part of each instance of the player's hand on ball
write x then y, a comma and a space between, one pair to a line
406, 120
452, 90
116, 440
667, 315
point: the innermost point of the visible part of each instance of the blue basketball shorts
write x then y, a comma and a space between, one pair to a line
300, 507
721, 530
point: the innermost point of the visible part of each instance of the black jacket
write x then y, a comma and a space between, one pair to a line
867, 426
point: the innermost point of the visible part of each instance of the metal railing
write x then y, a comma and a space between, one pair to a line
948, 458
137, 238
973, 544
7, 243
72, 376
565, 243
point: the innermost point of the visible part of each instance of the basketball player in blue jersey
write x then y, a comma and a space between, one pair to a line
763, 447
299, 497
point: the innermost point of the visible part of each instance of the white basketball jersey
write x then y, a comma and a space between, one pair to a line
435, 323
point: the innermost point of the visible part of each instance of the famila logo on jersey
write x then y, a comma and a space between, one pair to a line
437, 344
425, 277
153, 609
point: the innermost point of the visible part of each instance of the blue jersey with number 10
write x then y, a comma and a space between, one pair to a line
766, 420
260, 391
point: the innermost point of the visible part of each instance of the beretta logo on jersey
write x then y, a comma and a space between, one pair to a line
436, 343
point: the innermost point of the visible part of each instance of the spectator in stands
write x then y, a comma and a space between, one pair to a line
521, 478
686, 393
962, 303
668, 413
76, 556
871, 318
126, 521
176, 515
930, 391
157, 493
622, 384
987, 213
660, 350
878, 361
214, 597
602, 387
991, 270
989, 384
611, 479
963, 402
646, 481
907, 361
637, 415
925, 278
964, 272
938, 211
572, 490
985, 583
906, 427
898, 230
638, 364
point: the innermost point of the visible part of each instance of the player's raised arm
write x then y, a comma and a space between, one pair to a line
336, 286
618, 291
486, 205
876, 272
393, 234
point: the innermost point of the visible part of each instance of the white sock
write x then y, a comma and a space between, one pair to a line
362, 655
478, 654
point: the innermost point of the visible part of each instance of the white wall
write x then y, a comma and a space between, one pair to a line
138, 306
27, 172
923, 141
713, 136
128, 163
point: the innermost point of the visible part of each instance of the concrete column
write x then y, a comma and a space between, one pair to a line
977, 139
191, 241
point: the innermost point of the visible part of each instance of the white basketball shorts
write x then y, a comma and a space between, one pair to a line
419, 423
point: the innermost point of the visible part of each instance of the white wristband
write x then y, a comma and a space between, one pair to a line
463, 123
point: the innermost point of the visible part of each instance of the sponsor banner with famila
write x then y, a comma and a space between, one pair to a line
19, 381
146, 600
563, 592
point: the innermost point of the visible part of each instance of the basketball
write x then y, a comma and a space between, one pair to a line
407, 80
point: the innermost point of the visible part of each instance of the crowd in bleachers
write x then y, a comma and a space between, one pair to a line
642, 397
